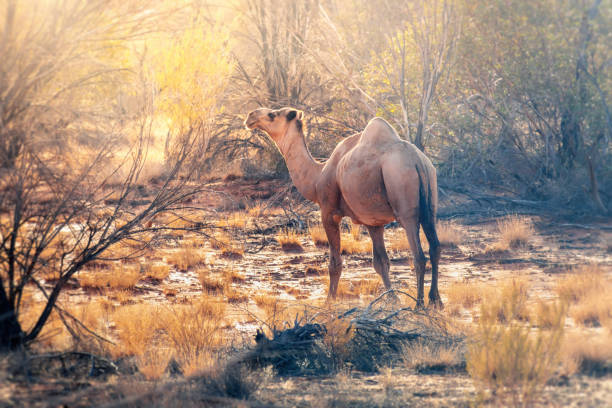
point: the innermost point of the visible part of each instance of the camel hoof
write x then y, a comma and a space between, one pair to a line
436, 304
420, 304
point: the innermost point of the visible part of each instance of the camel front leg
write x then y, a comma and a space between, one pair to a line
332, 229
380, 260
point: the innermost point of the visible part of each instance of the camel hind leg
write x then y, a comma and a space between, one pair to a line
402, 188
429, 228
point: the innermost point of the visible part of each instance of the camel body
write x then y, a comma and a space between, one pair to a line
373, 177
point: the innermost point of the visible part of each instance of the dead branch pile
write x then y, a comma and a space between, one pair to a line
374, 336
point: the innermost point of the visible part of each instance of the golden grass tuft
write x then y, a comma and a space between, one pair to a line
153, 362
136, 326
507, 303
449, 233
422, 355
514, 231
354, 242
398, 241
119, 276
368, 287
506, 356
549, 314
588, 353
595, 310
157, 272
228, 247
318, 235
466, 294
236, 220
234, 295
194, 332
232, 275
289, 240
186, 258
581, 282
587, 290
211, 284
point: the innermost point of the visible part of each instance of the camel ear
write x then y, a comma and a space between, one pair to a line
300, 115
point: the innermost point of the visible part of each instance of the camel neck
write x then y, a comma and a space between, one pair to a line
303, 169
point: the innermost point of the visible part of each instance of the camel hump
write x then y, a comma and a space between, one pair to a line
378, 132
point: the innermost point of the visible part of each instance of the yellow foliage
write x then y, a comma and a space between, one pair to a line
192, 71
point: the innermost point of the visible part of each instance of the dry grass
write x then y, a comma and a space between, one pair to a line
236, 220
581, 283
588, 353
348, 290
192, 242
317, 234
255, 210
233, 252
354, 242
211, 284
186, 258
506, 356
398, 241
136, 326
513, 231
232, 275
289, 240
153, 362
229, 248
466, 294
123, 296
276, 312
549, 314
368, 287
120, 276
587, 290
234, 295
194, 332
506, 303
449, 233
595, 310
427, 356
157, 272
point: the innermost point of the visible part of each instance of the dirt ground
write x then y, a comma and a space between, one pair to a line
298, 277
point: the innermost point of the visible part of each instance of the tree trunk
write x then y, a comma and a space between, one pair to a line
10, 330
418, 138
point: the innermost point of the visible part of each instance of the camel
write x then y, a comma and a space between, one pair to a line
373, 177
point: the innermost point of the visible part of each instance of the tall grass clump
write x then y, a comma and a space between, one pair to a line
513, 231
507, 357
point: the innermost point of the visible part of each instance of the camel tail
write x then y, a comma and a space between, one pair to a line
427, 212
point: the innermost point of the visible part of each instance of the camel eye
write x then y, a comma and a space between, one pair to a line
271, 116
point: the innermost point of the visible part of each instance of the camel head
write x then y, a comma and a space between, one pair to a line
274, 122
